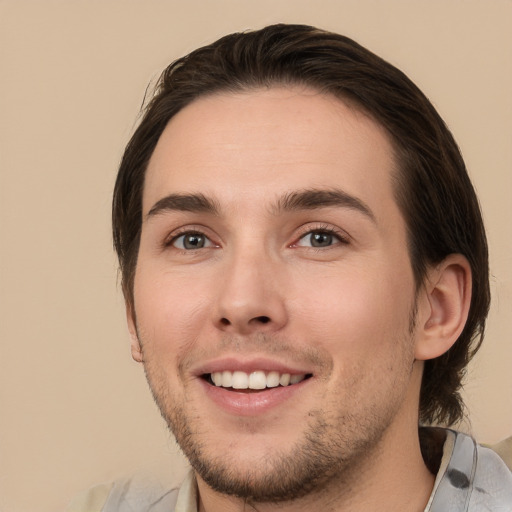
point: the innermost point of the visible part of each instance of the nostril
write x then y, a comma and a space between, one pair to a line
262, 320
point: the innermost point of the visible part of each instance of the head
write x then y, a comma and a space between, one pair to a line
292, 207
431, 186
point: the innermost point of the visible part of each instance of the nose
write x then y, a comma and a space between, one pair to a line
251, 299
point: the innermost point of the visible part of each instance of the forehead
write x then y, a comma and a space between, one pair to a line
258, 144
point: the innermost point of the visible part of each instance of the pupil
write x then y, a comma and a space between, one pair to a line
193, 242
321, 239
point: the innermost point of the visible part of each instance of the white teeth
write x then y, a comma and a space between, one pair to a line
240, 380
257, 380
295, 379
273, 380
217, 378
254, 380
227, 379
284, 380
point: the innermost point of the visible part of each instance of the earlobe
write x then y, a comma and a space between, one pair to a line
444, 307
132, 329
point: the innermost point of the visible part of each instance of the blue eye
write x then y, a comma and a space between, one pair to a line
191, 241
319, 239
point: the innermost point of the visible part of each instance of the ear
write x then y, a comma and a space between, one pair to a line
132, 328
443, 307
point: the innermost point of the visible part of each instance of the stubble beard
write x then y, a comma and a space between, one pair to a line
334, 446
308, 468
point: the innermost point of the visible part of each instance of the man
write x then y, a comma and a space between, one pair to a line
306, 278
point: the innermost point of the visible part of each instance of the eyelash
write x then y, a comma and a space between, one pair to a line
323, 229
171, 240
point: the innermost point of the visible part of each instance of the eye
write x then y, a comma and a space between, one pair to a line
191, 240
319, 239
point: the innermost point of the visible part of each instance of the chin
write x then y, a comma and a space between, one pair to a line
269, 471
266, 478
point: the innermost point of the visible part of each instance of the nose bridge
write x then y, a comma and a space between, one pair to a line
250, 298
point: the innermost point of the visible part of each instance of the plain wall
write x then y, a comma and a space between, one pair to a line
74, 407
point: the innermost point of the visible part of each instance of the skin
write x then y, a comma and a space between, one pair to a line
342, 313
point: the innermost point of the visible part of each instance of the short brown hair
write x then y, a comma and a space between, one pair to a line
432, 186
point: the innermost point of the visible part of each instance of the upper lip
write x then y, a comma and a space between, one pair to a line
249, 365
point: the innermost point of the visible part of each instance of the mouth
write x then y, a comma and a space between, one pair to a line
254, 381
253, 387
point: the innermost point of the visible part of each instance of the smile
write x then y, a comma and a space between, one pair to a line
255, 380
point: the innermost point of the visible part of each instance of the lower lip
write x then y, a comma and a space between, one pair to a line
252, 403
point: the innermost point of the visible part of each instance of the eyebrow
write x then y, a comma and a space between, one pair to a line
312, 199
185, 203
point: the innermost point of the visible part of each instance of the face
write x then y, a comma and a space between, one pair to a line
273, 293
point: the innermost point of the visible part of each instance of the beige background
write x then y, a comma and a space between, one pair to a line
74, 408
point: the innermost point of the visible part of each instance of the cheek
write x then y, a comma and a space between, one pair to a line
355, 312
362, 322
170, 311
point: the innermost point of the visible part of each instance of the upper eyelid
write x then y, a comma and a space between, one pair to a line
339, 240
208, 241
321, 227
171, 237
301, 231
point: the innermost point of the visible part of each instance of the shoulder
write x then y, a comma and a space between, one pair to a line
504, 450
92, 500
472, 477
136, 494
492, 483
